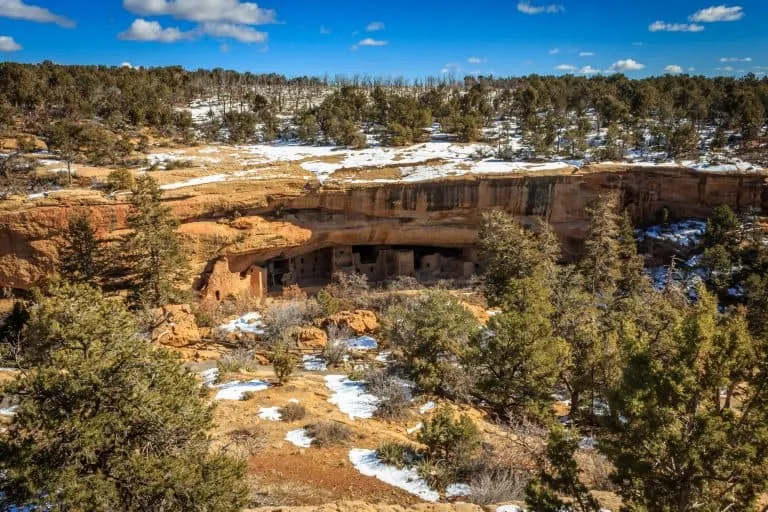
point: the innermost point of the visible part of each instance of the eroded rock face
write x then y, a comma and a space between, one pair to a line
176, 326
360, 321
286, 219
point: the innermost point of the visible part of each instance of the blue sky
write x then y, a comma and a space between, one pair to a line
412, 38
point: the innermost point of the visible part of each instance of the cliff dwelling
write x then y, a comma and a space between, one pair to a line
315, 268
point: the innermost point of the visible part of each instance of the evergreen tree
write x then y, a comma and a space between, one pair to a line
691, 409
153, 249
600, 262
560, 478
106, 421
631, 281
516, 361
81, 258
434, 335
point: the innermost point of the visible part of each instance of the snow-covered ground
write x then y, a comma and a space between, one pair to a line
299, 437
313, 363
361, 343
456, 490
351, 397
686, 233
249, 322
407, 479
8, 411
236, 390
426, 407
270, 413
209, 376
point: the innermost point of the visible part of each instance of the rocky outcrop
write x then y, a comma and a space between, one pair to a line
284, 219
359, 506
360, 321
175, 326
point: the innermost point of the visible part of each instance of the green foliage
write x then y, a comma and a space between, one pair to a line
600, 261
283, 363
12, 332
81, 258
106, 421
433, 335
449, 440
157, 264
517, 360
693, 401
120, 179
329, 304
512, 253
395, 454
722, 228
560, 479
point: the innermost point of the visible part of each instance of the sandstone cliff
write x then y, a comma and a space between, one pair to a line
288, 217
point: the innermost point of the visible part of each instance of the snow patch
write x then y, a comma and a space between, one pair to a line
209, 376
9, 411
249, 322
426, 407
454, 490
407, 479
270, 413
361, 343
351, 397
509, 508
415, 428
299, 437
313, 363
236, 390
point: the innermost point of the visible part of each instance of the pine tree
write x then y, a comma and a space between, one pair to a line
560, 479
599, 264
81, 258
690, 412
631, 281
153, 249
106, 421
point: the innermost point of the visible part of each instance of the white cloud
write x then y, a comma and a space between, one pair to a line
566, 67
526, 7
143, 30
626, 65
638, 43
661, 26
673, 69
225, 11
475, 60
240, 33
126, 64
324, 31
726, 68
7, 44
369, 41
18, 10
589, 70
450, 68
717, 14
374, 26
735, 59
586, 54
554, 51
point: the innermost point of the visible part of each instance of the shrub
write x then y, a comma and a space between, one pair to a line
394, 397
448, 439
328, 433
292, 412
335, 350
283, 364
437, 474
396, 454
120, 179
281, 316
246, 442
348, 285
248, 395
237, 361
404, 283
497, 486
329, 305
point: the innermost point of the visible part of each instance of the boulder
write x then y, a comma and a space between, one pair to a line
311, 338
360, 321
175, 326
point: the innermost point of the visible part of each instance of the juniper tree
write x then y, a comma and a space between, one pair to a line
433, 334
690, 412
157, 265
107, 421
600, 262
560, 479
81, 258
